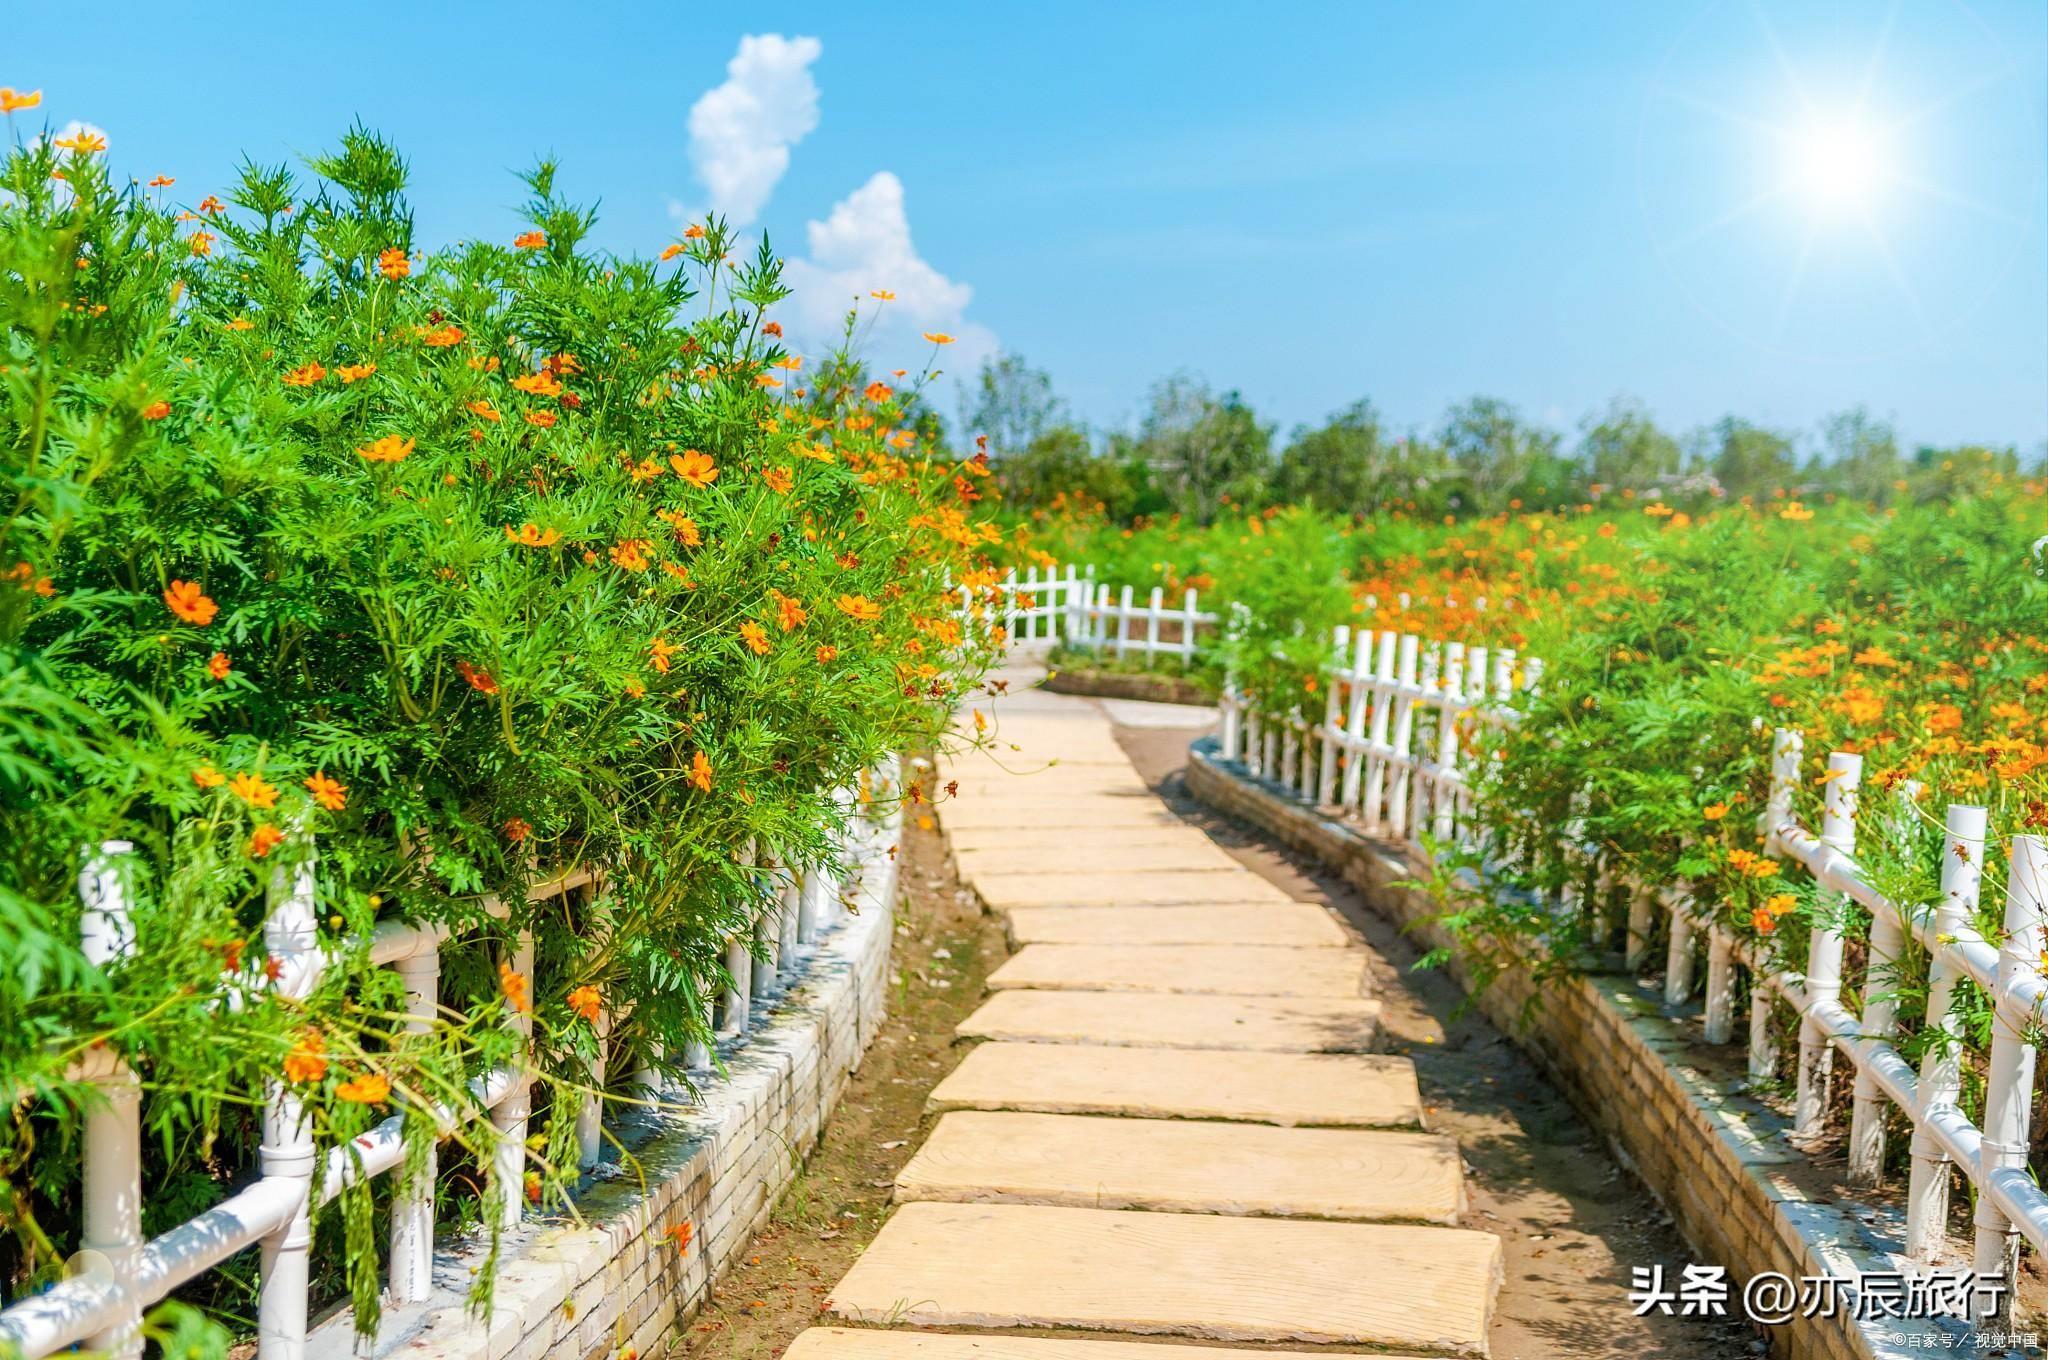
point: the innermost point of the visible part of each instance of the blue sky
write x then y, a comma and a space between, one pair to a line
1772, 209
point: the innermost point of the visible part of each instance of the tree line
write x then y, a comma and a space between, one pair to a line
1196, 450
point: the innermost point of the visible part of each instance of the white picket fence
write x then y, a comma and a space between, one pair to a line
117, 1276
1066, 605
1392, 752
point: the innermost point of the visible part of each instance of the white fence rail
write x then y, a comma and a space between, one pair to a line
117, 1276
1067, 605
1393, 751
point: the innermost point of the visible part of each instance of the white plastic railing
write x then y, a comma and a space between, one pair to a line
116, 1276
1067, 605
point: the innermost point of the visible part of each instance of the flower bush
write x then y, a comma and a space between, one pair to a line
451, 568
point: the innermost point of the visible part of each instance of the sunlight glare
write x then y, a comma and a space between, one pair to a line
1837, 165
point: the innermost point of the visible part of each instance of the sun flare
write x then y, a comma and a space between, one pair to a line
1838, 164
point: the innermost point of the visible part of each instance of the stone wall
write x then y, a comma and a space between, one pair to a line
1671, 1108
617, 1281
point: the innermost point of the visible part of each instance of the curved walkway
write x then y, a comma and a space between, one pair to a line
1173, 1126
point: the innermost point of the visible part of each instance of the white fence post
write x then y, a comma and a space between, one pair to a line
1880, 1006
1824, 954
112, 1173
509, 1117
1152, 614
1718, 1026
2009, 1077
1405, 705
287, 1148
1358, 675
412, 1201
1123, 622
1442, 798
1376, 744
1941, 1068
1187, 628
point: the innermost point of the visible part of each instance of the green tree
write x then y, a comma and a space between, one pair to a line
1860, 456
1347, 465
1204, 449
1623, 450
1746, 459
1501, 458
1014, 406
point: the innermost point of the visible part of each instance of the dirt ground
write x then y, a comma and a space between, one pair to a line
1571, 1222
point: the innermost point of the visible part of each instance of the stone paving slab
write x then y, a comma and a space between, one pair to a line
1164, 887
1097, 855
1196, 1275
1218, 969
1005, 814
1186, 1166
1163, 1020
1357, 1090
1298, 924
868, 1343
1079, 839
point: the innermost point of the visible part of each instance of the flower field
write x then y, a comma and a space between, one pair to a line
457, 568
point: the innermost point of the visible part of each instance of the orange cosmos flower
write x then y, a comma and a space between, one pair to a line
827, 654
305, 1062
778, 479
1714, 812
789, 611
13, 101
530, 535
1763, 921
326, 792
305, 375
859, 608
263, 840
878, 391
538, 384
693, 232
882, 295
700, 772
662, 650
211, 204
530, 240
755, 637
696, 468
201, 243
480, 681
190, 603
630, 554
220, 665
372, 1088
386, 449
81, 140
392, 264
938, 337
670, 252
513, 987
440, 337
767, 380
349, 373
680, 1234
544, 419
251, 789
206, 777
162, 182
517, 830
584, 1001
772, 328
156, 410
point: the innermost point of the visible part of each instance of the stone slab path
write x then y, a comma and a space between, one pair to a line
1171, 1125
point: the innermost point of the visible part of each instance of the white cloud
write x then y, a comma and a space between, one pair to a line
864, 247
741, 131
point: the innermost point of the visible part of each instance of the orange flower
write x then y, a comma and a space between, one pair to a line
387, 449
372, 1088
878, 391
693, 232
440, 337
1764, 922
13, 101
206, 777
827, 654
778, 479
159, 181
882, 295
696, 468
305, 375
349, 373
680, 1234
220, 665
755, 637
156, 410
700, 772
530, 240
392, 264
859, 608
662, 651
685, 527
81, 140
938, 337
513, 986
544, 419
326, 792
537, 384
483, 410
517, 830
583, 1000
1796, 512
263, 840
202, 243
630, 554
190, 603
251, 789
480, 681
1714, 812
671, 251
305, 1062
1778, 904
212, 204
531, 535
789, 611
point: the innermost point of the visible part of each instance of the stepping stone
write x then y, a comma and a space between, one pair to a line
1356, 1090
1228, 1279
1186, 1166
1217, 969
1165, 888
1107, 854
1300, 924
1163, 1020
1008, 814
1036, 841
868, 1343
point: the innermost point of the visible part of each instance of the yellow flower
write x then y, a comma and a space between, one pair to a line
386, 449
